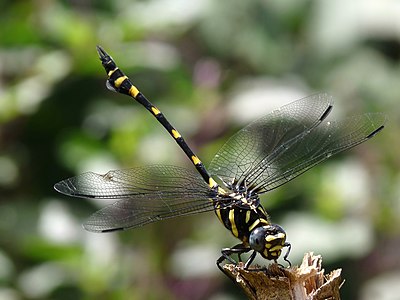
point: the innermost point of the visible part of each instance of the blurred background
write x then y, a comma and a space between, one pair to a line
211, 67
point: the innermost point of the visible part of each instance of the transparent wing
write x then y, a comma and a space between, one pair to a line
328, 139
144, 194
266, 136
276, 152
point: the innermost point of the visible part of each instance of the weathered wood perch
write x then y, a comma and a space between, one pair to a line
296, 283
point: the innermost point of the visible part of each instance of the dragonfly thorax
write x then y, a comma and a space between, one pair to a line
244, 200
241, 195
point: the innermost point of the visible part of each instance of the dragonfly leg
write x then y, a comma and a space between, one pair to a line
250, 260
227, 252
285, 257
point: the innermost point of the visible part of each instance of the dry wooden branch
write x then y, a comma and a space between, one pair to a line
306, 282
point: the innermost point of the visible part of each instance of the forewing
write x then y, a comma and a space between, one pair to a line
264, 137
144, 195
328, 139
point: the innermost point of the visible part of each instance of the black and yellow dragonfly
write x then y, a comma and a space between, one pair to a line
262, 156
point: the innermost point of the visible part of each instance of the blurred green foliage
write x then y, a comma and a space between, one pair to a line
211, 67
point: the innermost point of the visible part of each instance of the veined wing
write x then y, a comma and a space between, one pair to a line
272, 151
144, 195
266, 136
328, 139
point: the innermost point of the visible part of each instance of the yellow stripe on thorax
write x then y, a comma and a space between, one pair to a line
221, 191
256, 222
248, 214
233, 224
218, 212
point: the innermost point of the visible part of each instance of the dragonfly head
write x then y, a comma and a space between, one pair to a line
268, 240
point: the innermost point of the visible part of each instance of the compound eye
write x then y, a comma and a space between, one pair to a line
257, 239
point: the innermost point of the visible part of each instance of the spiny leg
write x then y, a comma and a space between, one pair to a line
238, 249
285, 257
227, 252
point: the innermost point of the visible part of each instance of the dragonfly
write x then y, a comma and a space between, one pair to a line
267, 153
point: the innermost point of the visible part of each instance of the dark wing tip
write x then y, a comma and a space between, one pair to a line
375, 132
326, 112
378, 121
